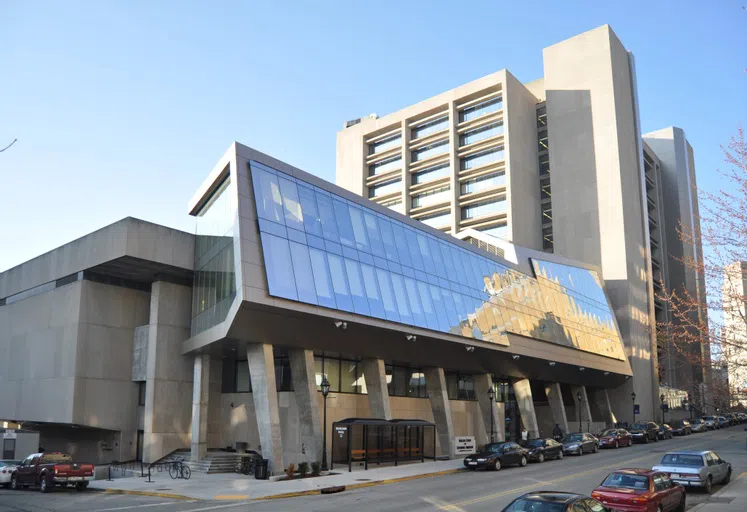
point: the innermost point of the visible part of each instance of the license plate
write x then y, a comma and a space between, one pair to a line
75, 478
472, 463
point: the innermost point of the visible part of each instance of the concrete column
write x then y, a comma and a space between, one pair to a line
168, 374
602, 399
435, 380
200, 402
261, 362
378, 392
583, 406
483, 382
523, 392
303, 374
555, 397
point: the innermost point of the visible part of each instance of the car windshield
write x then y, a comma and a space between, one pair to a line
708, 418
536, 443
492, 448
49, 458
626, 481
9, 463
677, 423
639, 426
572, 438
529, 505
681, 459
609, 433
696, 422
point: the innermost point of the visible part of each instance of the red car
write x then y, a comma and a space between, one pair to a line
640, 490
615, 438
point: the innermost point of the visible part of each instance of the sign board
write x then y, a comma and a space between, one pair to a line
341, 431
636, 409
10, 434
464, 445
665, 407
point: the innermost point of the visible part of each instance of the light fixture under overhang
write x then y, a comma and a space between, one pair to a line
411, 337
553, 363
470, 348
341, 325
581, 369
515, 357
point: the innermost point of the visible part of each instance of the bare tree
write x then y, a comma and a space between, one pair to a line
9, 145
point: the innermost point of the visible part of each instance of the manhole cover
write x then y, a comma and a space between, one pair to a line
362, 479
718, 499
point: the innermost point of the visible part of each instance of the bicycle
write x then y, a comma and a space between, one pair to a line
178, 469
247, 464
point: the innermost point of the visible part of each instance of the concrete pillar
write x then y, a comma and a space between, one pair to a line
261, 362
378, 392
200, 402
602, 399
435, 380
583, 406
555, 397
303, 374
523, 392
483, 382
168, 375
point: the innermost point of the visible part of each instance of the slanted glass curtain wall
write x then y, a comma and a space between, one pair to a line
215, 278
322, 249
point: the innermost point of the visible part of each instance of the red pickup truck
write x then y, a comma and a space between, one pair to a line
50, 469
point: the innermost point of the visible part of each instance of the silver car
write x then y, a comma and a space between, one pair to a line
693, 468
698, 425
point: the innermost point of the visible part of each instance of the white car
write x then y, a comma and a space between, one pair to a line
6, 469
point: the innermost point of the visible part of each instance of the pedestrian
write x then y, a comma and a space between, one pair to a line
524, 434
557, 432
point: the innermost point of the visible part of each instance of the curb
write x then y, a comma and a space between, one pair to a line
147, 493
313, 492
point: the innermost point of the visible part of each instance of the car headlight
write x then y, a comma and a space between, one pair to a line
572, 446
480, 460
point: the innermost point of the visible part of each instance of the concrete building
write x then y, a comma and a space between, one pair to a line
556, 164
734, 334
137, 340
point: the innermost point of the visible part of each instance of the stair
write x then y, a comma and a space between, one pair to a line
216, 462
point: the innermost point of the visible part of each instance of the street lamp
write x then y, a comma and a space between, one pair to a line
662, 398
491, 396
578, 395
325, 392
632, 395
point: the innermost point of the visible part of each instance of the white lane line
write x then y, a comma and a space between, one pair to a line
244, 503
162, 504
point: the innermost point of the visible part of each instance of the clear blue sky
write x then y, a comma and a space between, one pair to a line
122, 107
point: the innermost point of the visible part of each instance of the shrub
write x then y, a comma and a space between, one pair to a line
303, 468
290, 472
316, 469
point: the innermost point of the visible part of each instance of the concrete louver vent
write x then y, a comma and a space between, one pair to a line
492, 249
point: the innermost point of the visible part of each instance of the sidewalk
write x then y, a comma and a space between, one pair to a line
732, 498
230, 486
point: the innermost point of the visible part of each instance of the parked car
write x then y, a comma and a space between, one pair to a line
723, 422
693, 468
698, 425
6, 469
731, 418
643, 490
552, 501
645, 432
541, 450
580, 443
742, 417
496, 455
51, 469
711, 422
681, 427
665, 432
615, 438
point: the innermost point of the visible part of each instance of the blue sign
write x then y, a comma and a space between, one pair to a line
665, 407
636, 409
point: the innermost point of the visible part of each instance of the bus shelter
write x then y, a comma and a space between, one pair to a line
373, 440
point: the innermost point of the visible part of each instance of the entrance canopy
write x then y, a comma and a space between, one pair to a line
376, 440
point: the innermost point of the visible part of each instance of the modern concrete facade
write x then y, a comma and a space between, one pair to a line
138, 340
734, 334
560, 168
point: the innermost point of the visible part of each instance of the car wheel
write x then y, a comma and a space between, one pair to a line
541, 457
44, 485
497, 465
560, 455
523, 461
708, 487
656, 438
617, 445
595, 449
580, 451
80, 487
14, 483
681, 506
728, 478
646, 440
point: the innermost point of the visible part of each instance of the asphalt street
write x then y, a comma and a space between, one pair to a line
468, 491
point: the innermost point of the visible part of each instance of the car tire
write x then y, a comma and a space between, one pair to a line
646, 440
14, 483
728, 478
523, 461
656, 439
81, 486
580, 451
708, 487
560, 455
44, 485
617, 445
683, 503
541, 458
497, 465
595, 449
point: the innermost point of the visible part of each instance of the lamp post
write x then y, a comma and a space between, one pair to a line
491, 396
661, 399
578, 396
632, 395
325, 392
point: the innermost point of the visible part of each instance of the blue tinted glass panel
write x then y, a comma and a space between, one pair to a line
322, 279
359, 229
438, 260
428, 309
390, 243
342, 215
358, 293
303, 273
267, 195
431, 173
278, 264
400, 295
425, 254
481, 109
327, 216
387, 295
413, 297
339, 283
376, 243
482, 158
400, 243
451, 272
440, 307
372, 291
482, 133
412, 247
311, 221
291, 204
430, 127
382, 145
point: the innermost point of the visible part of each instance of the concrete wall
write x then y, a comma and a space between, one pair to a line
598, 211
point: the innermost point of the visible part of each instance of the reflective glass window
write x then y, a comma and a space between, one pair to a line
359, 229
339, 282
376, 242
322, 279
278, 263
481, 109
384, 144
400, 243
291, 204
437, 220
430, 150
385, 188
327, 217
311, 221
386, 165
499, 231
413, 297
372, 291
484, 208
390, 243
387, 295
430, 127
243, 383
481, 133
482, 158
357, 291
425, 253
428, 308
400, 295
342, 215
431, 173
435, 196
349, 380
267, 195
412, 247
497, 179
303, 274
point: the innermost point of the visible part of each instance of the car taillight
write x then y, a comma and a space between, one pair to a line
641, 499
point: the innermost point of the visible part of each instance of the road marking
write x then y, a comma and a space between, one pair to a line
441, 504
219, 506
162, 504
231, 497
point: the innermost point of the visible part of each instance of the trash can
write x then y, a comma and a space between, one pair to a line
260, 469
